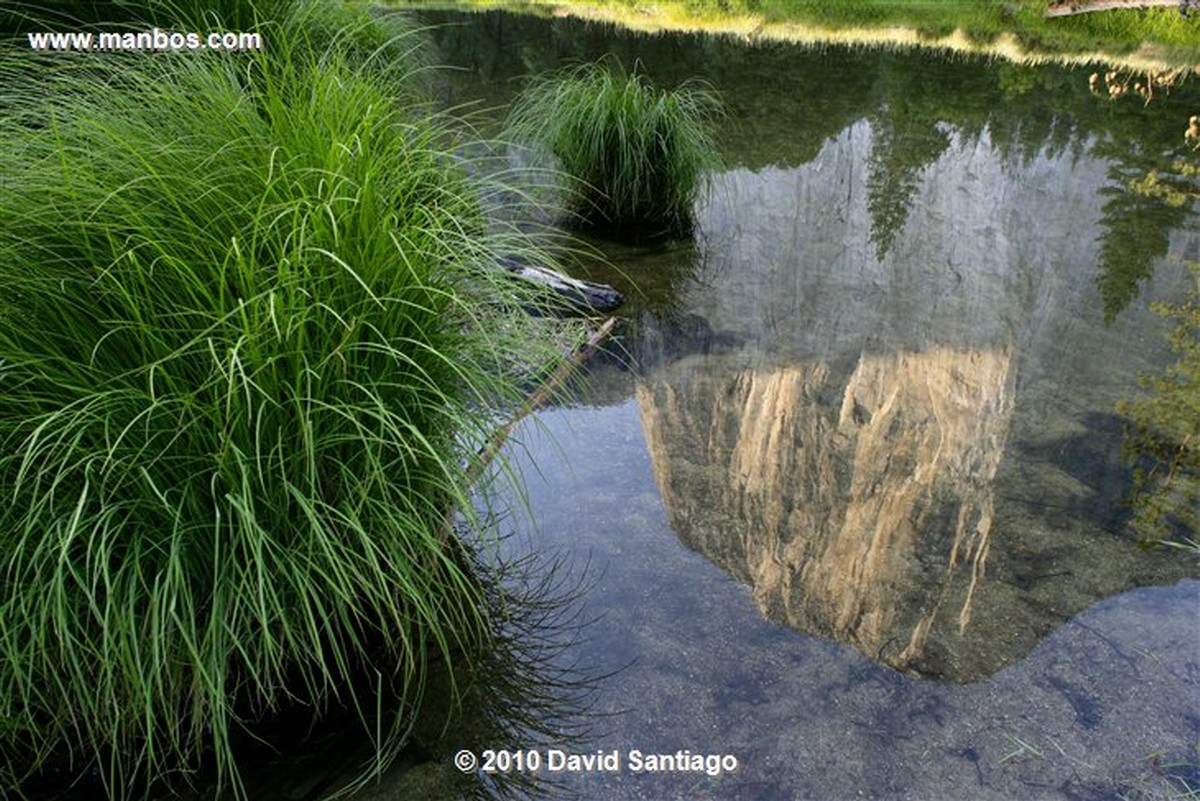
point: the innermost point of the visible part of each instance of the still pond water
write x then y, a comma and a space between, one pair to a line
850, 509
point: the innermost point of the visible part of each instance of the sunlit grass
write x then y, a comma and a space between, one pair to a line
248, 351
1154, 38
636, 157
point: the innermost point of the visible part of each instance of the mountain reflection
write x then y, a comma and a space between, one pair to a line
857, 507
880, 388
915, 455
787, 103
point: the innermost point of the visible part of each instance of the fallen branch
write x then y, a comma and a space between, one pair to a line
551, 385
492, 447
538, 399
1071, 8
584, 294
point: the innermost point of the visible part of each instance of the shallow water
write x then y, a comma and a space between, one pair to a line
848, 510
854, 500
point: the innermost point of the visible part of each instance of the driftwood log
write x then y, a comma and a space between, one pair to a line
583, 294
1066, 9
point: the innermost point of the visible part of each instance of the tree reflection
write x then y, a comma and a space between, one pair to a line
1164, 437
1152, 191
1137, 234
900, 148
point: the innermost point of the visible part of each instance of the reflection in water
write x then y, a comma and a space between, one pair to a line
811, 719
878, 391
1164, 438
913, 454
867, 519
786, 103
1137, 234
524, 691
895, 177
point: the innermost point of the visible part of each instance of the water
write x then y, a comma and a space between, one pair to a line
855, 509
808, 717
850, 511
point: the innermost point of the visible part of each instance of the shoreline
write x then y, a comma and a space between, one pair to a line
754, 29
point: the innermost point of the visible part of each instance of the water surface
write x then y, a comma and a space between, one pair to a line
853, 502
855, 497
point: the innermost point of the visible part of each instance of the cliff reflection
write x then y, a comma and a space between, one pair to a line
917, 456
879, 387
858, 507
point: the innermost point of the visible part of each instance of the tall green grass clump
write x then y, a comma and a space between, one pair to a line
249, 350
635, 157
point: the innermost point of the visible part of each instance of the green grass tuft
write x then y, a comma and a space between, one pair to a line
247, 354
636, 157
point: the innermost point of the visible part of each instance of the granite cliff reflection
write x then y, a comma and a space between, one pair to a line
879, 388
913, 452
866, 519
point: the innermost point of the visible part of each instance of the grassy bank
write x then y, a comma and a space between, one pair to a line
249, 349
1157, 38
